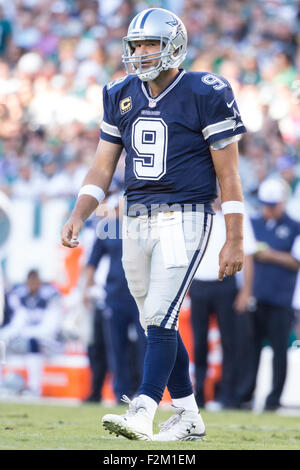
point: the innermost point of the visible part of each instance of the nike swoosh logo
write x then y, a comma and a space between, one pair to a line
230, 104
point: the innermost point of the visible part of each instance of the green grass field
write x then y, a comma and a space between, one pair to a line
29, 426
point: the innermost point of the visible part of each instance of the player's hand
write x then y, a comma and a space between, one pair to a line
231, 258
241, 301
70, 232
264, 256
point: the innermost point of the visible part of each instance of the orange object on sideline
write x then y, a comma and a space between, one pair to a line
185, 327
15, 369
66, 382
107, 389
71, 268
64, 377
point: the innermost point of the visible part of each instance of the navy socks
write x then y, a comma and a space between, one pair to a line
166, 363
159, 361
180, 384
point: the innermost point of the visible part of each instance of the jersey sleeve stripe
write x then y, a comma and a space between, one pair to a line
219, 127
220, 144
109, 129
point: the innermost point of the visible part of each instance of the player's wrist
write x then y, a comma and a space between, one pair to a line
235, 243
235, 238
76, 218
233, 207
89, 197
92, 190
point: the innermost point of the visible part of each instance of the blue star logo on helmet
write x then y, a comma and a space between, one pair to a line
172, 23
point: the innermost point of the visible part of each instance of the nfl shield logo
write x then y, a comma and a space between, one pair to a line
152, 104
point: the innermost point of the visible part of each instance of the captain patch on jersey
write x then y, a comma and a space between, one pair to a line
125, 105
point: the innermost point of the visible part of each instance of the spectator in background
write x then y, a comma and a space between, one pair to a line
277, 261
210, 296
34, 325
60, 176
47, 43
74, 172
285, 165
26, 34
285, 71
28, 185
53, 183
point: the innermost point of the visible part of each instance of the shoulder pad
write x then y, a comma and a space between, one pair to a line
118, 83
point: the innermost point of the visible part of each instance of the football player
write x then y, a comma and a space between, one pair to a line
180, 131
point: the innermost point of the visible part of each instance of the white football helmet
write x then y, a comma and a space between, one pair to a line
161, 25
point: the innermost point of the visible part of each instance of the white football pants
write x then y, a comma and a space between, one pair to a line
158, 290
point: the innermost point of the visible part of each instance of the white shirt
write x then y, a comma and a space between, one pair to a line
296, 296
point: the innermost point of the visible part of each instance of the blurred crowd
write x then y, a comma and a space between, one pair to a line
56, 56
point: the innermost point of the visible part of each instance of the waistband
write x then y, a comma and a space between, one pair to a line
136, 210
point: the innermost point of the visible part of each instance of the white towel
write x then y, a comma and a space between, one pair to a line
172, 239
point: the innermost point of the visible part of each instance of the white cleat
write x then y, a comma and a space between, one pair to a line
182, 426
135, 424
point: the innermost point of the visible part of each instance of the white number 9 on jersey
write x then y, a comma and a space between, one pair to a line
149, 141
216, 82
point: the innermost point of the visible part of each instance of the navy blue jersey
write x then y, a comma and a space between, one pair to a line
167, 138
35, 304
272, 282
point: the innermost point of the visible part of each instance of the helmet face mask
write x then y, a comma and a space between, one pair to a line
159, 25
